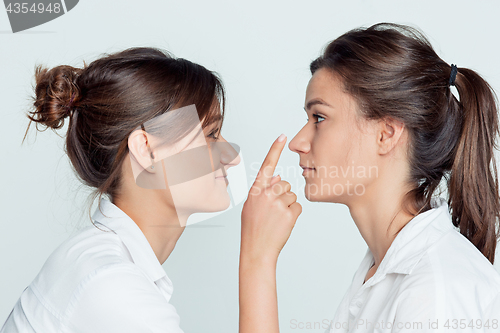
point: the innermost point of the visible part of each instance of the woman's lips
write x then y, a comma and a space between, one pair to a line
307, 170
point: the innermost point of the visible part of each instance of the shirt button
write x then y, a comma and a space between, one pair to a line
359, 304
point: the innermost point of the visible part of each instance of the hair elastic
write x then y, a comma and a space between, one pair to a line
453, 74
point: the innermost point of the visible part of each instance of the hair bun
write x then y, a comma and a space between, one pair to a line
56, 94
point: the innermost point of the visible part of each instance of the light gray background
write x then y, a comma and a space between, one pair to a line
262, 50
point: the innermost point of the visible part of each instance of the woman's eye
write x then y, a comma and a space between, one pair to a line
317, 116
212, 135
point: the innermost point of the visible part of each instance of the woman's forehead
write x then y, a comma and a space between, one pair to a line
327, 89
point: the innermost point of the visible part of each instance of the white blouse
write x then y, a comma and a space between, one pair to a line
432, 279
99, 281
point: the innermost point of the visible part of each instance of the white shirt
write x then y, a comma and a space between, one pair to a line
99, 281
432, 279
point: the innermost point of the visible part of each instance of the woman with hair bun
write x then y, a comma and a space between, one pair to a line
380, 101
135, 117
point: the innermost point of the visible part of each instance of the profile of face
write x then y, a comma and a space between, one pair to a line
337, 148
190, 162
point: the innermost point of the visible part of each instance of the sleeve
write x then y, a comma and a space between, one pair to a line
491, 318
120, 298
453, 311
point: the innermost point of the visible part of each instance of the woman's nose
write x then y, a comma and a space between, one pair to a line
300, 143
230, 153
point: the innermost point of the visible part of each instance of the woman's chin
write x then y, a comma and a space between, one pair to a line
311, 194
225, 204
219, 204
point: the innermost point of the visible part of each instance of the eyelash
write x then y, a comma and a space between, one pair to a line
317, 116
212, 135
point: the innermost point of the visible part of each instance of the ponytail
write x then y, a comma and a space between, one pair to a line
393, 72
473, 185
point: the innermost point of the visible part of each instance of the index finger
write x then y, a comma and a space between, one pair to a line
266, 171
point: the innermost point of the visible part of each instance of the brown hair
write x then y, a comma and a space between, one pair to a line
112, 96
393, 71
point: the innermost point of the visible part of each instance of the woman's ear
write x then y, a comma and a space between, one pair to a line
390, 134
139, 150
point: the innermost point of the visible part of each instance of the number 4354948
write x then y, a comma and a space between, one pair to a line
478, 323
24, 8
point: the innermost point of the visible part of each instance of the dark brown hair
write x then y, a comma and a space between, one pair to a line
393, 72
112, 96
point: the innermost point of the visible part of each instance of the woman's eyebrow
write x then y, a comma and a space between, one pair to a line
217, 119
315, 101
216, 125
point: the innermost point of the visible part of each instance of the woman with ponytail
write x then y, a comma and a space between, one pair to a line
380, 100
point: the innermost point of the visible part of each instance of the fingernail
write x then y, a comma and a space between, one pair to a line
281, 138
275, 176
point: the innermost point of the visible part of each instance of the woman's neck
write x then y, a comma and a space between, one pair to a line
379, 216
159, 222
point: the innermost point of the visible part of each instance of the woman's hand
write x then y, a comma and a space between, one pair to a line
267, 220
270, 211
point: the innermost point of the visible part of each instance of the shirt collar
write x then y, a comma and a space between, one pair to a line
132, 236
412, 241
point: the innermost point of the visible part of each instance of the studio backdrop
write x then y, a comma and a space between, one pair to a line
262, 51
